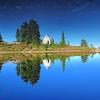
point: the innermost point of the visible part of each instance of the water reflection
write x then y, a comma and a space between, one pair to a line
63, 60
1, 65
29, 69
47, 63
84, 58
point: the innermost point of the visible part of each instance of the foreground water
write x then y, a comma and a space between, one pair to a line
60, 78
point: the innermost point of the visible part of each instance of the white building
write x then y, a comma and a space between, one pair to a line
46, 39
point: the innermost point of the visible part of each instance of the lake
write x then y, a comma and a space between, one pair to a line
50, 77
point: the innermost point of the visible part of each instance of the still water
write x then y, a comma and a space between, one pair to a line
51, 78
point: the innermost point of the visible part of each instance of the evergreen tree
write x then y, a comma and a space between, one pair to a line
29, 33
62, 42
0, 37
34, 32
92, 46
18, 35
68, 43
63, 39
52, 44
84, 43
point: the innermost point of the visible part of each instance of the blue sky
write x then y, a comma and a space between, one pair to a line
78, 19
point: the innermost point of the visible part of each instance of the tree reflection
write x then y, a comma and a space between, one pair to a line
84, 58
63, 61
28, 68
1, 65
29, 71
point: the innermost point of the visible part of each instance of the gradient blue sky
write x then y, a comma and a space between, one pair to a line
79, 19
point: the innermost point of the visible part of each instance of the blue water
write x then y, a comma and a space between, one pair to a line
77, 81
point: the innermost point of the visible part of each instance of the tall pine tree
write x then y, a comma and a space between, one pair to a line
1, 38
29, 33
62, 42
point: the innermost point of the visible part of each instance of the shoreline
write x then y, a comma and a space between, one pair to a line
67, 51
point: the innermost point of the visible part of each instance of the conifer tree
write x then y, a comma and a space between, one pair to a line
1, 38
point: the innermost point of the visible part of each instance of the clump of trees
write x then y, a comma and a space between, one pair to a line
84, 43
28, 33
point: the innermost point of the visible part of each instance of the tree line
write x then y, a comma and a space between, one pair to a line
29, 33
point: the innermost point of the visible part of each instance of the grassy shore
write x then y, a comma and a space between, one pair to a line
24, 48
25, 56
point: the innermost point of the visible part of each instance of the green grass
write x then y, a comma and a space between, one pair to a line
25, 47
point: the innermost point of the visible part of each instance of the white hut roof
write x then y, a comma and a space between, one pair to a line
46, 39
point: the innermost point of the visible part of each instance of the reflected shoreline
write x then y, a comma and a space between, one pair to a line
28, 66
25, 56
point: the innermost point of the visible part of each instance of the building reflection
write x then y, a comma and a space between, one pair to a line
47, 63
